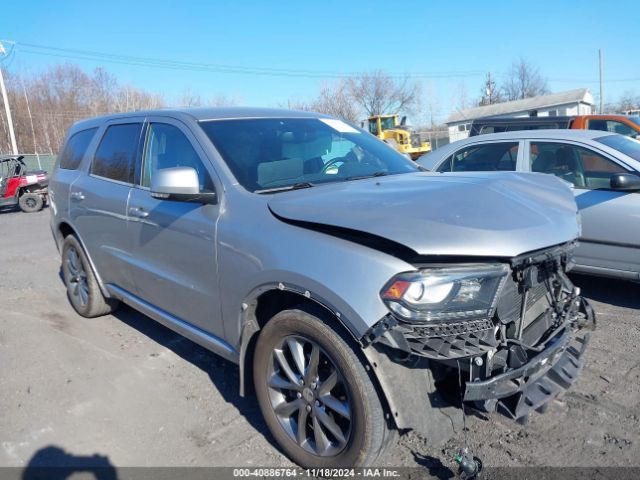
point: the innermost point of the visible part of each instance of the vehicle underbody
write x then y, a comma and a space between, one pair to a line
529, 352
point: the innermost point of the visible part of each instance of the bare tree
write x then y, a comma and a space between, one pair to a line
45, 105
460, 98
629, 100
190, 98
333, 99
379, 93
428, 108
221, 100
336, 100
524, 81
372, 93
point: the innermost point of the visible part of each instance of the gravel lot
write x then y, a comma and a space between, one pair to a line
127, 389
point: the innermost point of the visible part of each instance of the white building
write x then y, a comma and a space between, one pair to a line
573, 102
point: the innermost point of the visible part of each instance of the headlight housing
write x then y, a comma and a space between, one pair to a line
449, 293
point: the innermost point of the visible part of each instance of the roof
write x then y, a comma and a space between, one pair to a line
506, 108
203, 113
557, 133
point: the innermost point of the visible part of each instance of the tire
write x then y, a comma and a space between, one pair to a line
31, 202
354, 437
83, 290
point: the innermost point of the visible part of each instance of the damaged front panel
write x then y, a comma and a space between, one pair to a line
527, 352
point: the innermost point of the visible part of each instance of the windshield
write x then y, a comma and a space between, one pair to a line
266, 154
626, 145
387, 123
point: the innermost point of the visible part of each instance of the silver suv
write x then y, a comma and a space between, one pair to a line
351, 288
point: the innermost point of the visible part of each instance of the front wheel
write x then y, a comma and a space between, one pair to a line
314, 393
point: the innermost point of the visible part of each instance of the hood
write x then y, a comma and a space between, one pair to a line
500, 214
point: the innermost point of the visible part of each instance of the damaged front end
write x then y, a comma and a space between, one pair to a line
512, 334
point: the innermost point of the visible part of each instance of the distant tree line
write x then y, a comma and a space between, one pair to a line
629, 100
45, 105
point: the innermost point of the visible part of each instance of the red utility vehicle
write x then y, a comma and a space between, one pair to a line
20, 187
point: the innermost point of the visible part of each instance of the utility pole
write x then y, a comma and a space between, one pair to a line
5, 99
600, 63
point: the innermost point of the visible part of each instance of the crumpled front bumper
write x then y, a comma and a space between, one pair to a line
518, 392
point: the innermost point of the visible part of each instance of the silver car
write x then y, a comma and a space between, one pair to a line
603, 168
350, 287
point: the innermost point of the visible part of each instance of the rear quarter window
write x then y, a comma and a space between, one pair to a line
75, 149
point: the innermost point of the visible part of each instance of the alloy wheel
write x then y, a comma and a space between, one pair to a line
308, 394
77, 281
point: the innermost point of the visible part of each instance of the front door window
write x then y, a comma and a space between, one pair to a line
581, 166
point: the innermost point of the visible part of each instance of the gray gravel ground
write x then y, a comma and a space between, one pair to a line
130, 390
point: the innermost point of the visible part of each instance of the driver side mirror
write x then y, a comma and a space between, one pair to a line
179, 184
626, 182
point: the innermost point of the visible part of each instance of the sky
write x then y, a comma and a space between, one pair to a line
285, 50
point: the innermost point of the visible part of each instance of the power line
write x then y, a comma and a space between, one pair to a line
171, 64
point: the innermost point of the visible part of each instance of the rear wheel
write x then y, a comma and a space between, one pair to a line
83, 290
31, 202
314, 393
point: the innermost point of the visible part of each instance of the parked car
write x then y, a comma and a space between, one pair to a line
621, 124
604, 169
291, 244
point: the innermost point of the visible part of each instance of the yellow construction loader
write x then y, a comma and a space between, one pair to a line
394, 132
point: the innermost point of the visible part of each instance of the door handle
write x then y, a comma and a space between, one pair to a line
138, 212
77, 196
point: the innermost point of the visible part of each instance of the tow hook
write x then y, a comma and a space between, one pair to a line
470, 465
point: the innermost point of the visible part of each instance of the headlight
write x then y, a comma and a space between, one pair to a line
433, 294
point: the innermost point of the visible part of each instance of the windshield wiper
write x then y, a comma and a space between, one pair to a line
371, 175
295, 186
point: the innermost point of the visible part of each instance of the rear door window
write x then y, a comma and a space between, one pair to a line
116, 155
498, 156
581, 166
76, 148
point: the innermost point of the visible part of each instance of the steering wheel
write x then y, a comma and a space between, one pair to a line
332, 162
